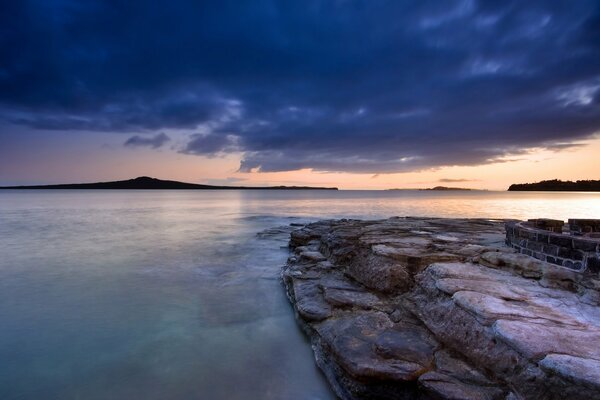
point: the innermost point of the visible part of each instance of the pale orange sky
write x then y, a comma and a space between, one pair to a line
109, 160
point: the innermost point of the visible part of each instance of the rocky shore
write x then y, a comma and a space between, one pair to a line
424, 308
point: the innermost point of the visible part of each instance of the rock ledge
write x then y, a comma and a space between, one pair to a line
426, 308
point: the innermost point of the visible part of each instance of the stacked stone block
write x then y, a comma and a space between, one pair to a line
583, 226
541, 239
551, 225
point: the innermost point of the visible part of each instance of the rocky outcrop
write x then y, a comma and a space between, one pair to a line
423, 308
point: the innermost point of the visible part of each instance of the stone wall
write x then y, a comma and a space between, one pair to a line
543, 240
546, 224
583, 226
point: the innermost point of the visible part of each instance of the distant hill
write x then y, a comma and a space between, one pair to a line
145, 182
446, 188
556, 185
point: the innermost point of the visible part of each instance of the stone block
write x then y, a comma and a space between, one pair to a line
552, 225
566, 252
561, 240
534, 246
593, 264
510, 230
584, 225
527, 234
574, 265
539, 256
585, 245
551, 250
554, 260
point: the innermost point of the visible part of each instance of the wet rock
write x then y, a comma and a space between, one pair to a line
312, 256
309, 301
352, 341
429, 308
350, 298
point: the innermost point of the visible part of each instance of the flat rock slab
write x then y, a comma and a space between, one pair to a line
578, 370
430, 308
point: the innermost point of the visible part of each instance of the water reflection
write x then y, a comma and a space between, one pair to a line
468, 204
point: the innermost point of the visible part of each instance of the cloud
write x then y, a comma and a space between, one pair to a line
333, 86
563, 146
154, 141
449, 180
211, 144
229, 181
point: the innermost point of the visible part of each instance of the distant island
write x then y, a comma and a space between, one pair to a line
145, 183
436, 188
445, 188
556, 185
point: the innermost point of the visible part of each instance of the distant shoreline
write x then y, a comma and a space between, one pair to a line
556, 185
147, 183
439, 188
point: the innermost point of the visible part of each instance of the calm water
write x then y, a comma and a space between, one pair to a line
173, 295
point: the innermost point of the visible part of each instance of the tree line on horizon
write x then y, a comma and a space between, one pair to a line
556, 185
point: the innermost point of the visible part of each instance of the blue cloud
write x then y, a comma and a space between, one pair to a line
364, 86
154, 141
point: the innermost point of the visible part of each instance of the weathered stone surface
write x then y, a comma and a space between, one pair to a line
450, 365
312, 256
408, 343
350, 298
535, 341
583, 371
310, 302
427, 308
447, 387
355, 340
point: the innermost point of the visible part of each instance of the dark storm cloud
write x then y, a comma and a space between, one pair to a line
211, 144
373, 86
153, 141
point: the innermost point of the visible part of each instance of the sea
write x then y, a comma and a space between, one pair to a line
177, 294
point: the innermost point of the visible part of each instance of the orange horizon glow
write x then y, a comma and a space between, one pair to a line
107, 162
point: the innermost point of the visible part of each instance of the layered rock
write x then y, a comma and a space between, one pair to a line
422, 308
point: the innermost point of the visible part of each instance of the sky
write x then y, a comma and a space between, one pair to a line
355, 94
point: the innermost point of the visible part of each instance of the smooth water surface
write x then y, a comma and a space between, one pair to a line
174, 294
